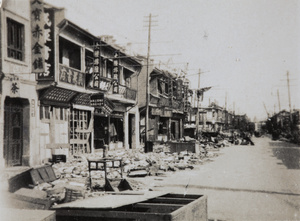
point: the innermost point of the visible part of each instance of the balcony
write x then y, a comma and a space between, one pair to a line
177, 106
124, 95
127, 92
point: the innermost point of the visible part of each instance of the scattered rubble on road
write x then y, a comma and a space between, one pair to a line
73, 180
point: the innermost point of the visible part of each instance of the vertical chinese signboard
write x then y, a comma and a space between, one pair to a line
97, 65
48, 74
186, 102
37, 36
116, 70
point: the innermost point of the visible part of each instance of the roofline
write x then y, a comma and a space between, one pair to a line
67, 22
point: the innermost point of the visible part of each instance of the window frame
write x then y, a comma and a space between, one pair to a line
15, 43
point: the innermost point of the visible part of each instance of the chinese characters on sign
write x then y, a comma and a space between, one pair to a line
70, 76
32, 108
15, 86
116, 73
97, 100
104, 85
37, 36
48, 34
186, 102
97, 65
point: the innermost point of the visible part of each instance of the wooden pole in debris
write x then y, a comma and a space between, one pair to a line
197, 117
147, 85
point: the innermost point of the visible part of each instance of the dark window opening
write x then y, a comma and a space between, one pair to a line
15, 40
109, 68
69, 54
116, 131
89, 60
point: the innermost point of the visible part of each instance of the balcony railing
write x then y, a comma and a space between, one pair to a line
130, 94
126, 92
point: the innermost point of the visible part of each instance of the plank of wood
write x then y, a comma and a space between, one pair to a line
50, 173
43, 174
36, 177
109, 201
171, 200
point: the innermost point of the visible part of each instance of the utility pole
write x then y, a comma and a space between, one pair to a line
279, 107
289, 93
226, 101
148, 84
197, 116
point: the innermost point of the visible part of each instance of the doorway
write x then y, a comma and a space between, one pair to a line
16, 123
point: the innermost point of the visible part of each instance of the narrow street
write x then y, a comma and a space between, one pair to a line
258, 182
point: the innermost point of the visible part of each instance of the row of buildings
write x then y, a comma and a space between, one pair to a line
285, 124
63, 88
215, 118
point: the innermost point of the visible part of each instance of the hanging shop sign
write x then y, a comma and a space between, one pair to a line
32, 108
97, 100
37, 36
71, 76
14, 86
116, 70
186, 102
48, 73
97, 64
179, 91
156, 111
104, 85
167, 113
106, 109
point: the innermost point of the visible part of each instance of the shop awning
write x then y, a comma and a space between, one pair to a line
82, 99
106, 109
57, 96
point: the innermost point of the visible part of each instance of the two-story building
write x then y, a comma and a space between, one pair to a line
91, 99
62, 87
166, 105
19, 115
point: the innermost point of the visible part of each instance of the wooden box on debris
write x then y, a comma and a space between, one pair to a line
173, 207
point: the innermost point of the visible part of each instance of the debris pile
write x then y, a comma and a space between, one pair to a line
72, 180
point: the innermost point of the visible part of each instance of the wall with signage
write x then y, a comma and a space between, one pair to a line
37, 36
71, 76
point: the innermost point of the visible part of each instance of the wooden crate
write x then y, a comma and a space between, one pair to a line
168, 207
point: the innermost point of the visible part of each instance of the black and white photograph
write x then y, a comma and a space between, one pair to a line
150, 110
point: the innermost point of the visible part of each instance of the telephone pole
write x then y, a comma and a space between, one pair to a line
289, 94
279, 107
197, 116
198, 96
147, 85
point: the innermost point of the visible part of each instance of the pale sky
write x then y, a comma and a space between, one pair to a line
244, 47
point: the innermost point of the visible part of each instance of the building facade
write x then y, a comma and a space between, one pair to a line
166, 105
61, 87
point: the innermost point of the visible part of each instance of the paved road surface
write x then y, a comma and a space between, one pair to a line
260, 182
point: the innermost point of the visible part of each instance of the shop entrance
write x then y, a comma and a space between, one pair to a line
131, 131
100, 131
14, 120
174, 130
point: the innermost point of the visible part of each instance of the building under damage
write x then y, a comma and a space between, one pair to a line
65, 91
62, 87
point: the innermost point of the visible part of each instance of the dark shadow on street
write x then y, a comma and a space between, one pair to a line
290, 157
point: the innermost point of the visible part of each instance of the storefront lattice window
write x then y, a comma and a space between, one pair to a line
80, 131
